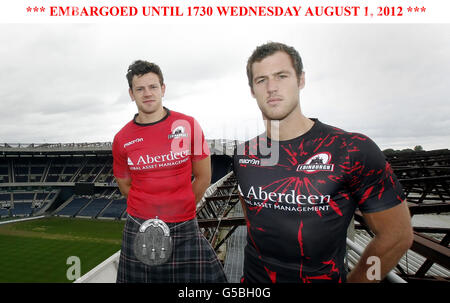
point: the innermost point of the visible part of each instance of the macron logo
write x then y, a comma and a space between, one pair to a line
132, 142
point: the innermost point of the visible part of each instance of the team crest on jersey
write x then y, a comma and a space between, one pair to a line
178, 132
318, 162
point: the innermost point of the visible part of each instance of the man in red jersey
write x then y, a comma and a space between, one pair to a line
301, 182
155, 156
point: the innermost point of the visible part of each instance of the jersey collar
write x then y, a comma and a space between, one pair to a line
153, 123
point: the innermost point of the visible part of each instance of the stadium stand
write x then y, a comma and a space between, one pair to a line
4, 213
23, 204
38, 179
21, 209
73, 207
94, 208
31, 180
116, 209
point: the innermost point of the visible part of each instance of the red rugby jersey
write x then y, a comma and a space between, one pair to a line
157, 156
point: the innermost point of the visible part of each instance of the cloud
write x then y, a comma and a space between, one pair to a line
67, 83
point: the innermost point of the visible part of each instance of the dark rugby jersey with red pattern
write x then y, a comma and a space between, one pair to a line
299, 206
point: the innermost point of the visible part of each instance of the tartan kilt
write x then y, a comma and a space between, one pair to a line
193, 259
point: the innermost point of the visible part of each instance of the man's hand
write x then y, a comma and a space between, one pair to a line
393, 237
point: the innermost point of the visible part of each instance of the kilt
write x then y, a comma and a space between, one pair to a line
193, 259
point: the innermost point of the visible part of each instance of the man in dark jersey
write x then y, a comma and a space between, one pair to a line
155, 155
302, 180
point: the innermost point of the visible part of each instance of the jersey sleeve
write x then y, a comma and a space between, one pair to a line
373, 184
120, 164
199, 145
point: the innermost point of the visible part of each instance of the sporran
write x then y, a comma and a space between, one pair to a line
153, 244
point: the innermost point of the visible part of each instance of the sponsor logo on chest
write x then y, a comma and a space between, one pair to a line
289, 197
287, 201
144, 162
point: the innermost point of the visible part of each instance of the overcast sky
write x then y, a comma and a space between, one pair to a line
66, 83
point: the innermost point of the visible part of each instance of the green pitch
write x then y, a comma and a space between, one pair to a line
38, 250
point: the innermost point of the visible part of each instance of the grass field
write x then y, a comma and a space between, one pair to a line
37, 250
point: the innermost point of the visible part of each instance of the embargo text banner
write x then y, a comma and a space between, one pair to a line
225, 11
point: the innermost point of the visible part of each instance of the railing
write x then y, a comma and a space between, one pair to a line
105, 272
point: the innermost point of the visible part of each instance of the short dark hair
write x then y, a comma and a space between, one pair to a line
269, 49
141, 67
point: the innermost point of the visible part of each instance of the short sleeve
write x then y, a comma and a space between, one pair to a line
120, 164
199, 145
373, 184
